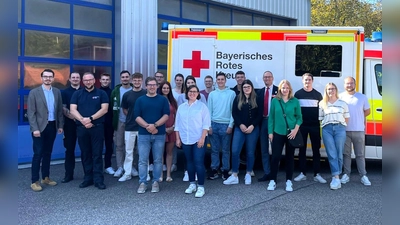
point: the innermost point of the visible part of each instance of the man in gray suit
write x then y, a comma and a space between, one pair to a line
45, 117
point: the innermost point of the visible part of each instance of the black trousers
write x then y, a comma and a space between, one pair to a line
91, 144
70, 138
42, 149
108, 140
277, 147
315, 138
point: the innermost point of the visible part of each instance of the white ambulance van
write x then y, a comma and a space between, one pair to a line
329, 53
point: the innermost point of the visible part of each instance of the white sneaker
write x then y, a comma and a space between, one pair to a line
134, 173
151, 167
119, 172
344, 179
318, 178
300, 177
109, 170
335, 183
231, 180
365, 180
191, 189
125, 178
252, 173
164, 168
247, 179
271, 185
148, 177
200, 192
289, 185
186, 176
174, 168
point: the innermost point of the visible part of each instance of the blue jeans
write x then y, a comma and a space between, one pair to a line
334, 137
237, 143
156, 144
195, 162
220, 140
264, 142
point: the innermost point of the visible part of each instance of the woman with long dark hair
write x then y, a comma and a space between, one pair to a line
247, 113
170, 137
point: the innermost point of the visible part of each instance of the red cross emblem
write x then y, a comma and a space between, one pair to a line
196, 63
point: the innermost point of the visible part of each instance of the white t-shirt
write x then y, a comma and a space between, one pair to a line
357, 103
334, 113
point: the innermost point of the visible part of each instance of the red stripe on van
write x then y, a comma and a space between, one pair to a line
373, 54
272, 36
374, 128
296, 38
176, 34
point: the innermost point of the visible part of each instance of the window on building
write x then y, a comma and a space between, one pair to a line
169, 7
194, 10
92, 48
241, 18
39, 12
32, 72
262, 21
46, 44
92, 19
219, 15
319, 60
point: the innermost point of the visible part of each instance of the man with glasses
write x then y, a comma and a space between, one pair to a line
88, 106
45, 115
151, 112
70, 127
208, 82
159, 77
119, 119
266, 94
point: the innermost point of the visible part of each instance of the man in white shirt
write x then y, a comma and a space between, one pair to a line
355, 131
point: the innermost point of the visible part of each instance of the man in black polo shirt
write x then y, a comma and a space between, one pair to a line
69, 127
88, 106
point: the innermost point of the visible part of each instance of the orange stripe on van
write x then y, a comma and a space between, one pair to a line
374, 128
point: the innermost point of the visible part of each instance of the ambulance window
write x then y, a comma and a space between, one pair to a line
319, 60
378, 75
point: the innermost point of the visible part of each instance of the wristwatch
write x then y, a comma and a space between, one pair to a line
155, 125
91, 118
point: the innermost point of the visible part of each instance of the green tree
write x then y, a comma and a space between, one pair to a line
366, 13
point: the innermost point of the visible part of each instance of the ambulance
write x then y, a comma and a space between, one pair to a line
329, 53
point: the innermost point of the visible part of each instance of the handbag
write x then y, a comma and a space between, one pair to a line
297, 141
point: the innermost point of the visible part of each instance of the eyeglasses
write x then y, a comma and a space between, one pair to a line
47, 77
151, 85
88, 80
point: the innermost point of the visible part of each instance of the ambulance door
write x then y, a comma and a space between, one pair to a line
373, 90
194, 56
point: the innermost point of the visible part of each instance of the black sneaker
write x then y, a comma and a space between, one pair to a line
212, 175
225, 175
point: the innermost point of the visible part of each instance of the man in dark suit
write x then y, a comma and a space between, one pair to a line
45, 115
266, 94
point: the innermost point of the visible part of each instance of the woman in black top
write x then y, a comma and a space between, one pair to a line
247, 114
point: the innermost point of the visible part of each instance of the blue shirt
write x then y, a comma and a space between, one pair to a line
151, 109
88, 103
48, 94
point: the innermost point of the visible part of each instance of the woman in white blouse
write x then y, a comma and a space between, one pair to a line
191, 128
334, 114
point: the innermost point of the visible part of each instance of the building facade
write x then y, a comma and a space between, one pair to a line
107, 36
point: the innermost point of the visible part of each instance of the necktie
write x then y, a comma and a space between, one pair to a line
266, 99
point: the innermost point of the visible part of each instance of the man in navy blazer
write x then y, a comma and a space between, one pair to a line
269, 90
45, 115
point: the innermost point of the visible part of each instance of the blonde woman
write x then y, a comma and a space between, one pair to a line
334, 115
278, 133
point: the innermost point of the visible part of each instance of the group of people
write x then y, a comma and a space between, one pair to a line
163, 119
